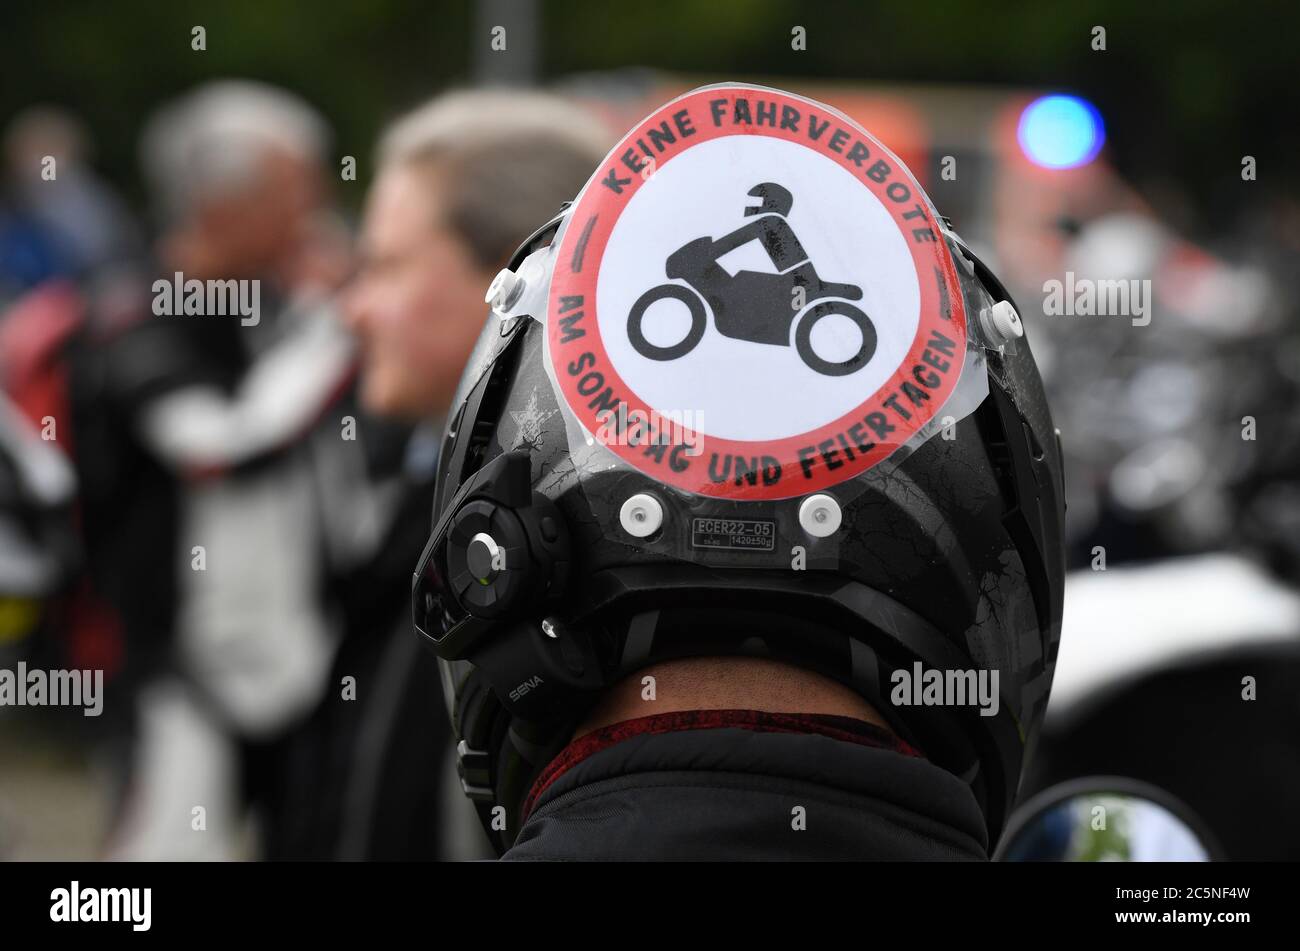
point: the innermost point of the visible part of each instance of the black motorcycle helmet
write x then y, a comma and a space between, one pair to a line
837, 454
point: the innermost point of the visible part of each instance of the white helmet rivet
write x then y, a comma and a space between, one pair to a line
820, 515
641, 515
504, 289
1001, 323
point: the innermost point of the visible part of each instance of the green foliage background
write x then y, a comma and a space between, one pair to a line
1186, 88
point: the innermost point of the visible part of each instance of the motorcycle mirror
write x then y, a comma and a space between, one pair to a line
1105, 819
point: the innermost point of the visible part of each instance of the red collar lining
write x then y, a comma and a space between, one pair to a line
839, 728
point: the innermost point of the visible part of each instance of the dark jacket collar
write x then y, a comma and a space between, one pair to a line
745, 785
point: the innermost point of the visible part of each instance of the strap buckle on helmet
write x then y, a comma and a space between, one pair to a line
475, 772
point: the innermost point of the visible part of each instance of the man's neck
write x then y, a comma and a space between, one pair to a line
726, 683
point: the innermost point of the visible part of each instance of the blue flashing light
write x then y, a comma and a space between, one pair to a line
1061, 132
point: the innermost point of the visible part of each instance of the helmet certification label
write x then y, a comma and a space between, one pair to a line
736, 534
752, 299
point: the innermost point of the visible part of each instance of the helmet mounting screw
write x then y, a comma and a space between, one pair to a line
820, 515
506, 288
641, 515
1001, 323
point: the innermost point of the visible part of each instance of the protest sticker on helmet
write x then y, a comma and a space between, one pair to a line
752, 298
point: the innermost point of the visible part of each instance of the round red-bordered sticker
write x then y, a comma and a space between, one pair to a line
752, 298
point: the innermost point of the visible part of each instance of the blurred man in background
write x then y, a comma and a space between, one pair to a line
462, 182
58, 218
208, 526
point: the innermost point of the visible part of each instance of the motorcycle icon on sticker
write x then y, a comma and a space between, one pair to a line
752, 305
